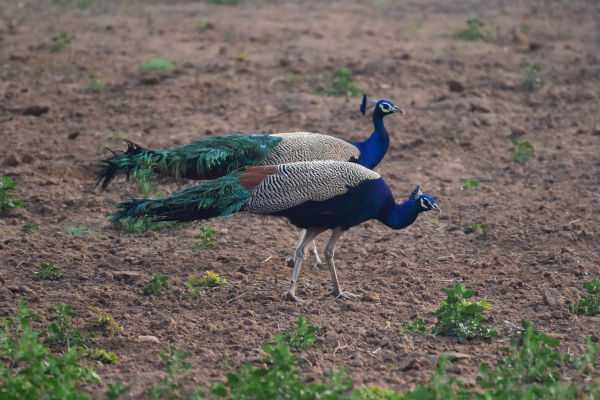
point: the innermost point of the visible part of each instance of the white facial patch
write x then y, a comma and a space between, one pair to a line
385, 107
425, 206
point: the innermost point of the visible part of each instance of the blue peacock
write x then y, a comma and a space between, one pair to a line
313, 195
217, 156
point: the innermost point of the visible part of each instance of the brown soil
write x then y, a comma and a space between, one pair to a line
464, 104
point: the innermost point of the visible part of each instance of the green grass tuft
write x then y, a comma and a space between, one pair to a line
522, 150
49, 272
341, 86
7, 187
589, 305
532, 79
157, 285
157, 64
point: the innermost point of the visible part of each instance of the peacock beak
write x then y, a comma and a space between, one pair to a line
437, 208
398, 109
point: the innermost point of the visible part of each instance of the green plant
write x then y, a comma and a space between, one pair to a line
522, 150
203, 26
30, 228
194, 286
414, 328
585, 363
96, 84
301, 334
106, 321
532, 79
79, 231
29, 370
212, 279
157, 285
243, 56
157, 64
461, 319
49, 272
105, 357
280, 378
7, 186
207, 238
475, 227
341, 86
116, 390
62, 332
468, 183
588, 305
144, 224
177, 368
59, 42
471, 32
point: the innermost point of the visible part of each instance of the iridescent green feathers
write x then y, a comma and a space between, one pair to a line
203, 159
219, 197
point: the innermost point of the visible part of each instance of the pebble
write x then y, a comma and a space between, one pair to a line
148, 338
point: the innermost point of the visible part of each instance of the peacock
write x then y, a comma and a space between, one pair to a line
213, 157
313, 195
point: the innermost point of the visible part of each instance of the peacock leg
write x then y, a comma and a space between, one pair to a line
310, 234
292, 260
329, 252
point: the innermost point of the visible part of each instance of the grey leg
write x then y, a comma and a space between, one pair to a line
292, 260
329, 252
299, 256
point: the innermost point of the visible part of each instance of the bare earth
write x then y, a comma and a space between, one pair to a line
542, 216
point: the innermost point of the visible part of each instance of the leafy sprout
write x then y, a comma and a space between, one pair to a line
7, 187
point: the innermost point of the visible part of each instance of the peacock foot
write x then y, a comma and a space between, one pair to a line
292, 296
344, 294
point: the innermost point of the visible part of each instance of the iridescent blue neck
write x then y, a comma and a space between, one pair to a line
374, 148
398, 216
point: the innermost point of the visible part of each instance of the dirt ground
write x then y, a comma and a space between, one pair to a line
464, 105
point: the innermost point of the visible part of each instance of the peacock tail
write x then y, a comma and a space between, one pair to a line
202, 159
219, 197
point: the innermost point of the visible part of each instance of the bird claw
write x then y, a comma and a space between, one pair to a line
291, 296
318, 263
344, 294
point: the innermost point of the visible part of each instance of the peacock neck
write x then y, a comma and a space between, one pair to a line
374, 148
398, 216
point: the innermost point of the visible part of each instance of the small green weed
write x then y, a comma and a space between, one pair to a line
414, 328
30, 228
301, 334
532, 79
59, 42
204, 26
96, 84
526, 29
477, 30
341, 86
116, 390
212, 279
7, 187
157, 64
243, 56
31, 371
116, 137
225, 362
79, 231
468, 183
195, 287
105, 357
177, 369
589, 305
461, 319
106, 321
207, 238
50, 272
522, 150
475, 227
157, 285
62, 332
471, 32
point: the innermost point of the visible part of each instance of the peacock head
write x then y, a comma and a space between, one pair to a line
382, 107
424, 201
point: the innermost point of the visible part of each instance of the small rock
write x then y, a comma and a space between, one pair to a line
455, 86
478, 108
35, 110
517, 131
73, 135
12, 160
357, 361
553, 298
148, 338
370, 297
458, 356
127, 275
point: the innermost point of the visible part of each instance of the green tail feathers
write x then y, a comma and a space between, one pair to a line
203, 159
219, 197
